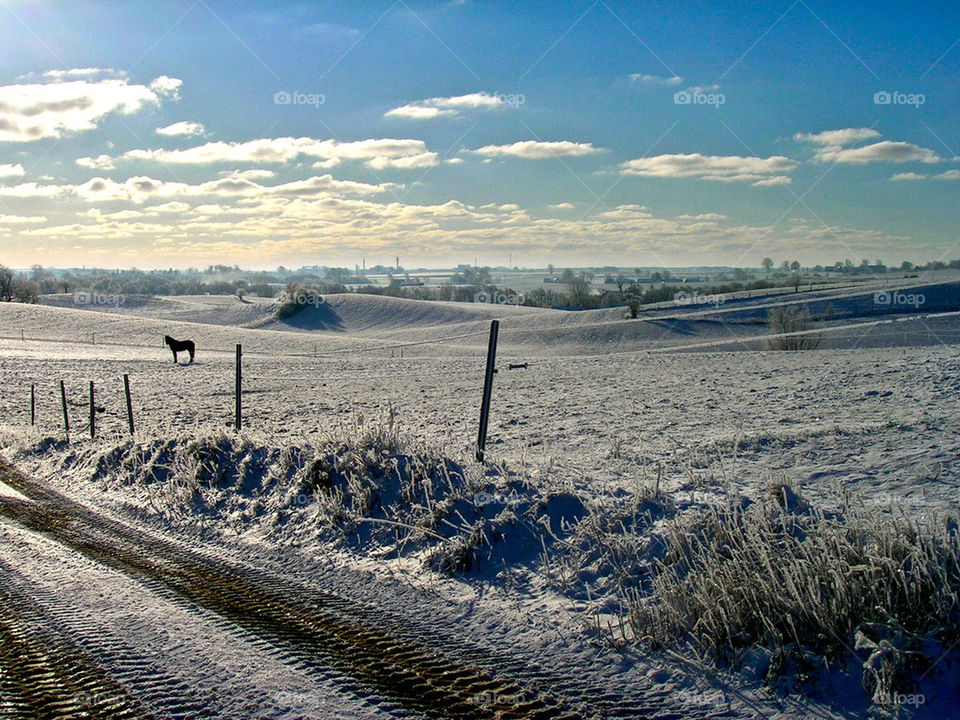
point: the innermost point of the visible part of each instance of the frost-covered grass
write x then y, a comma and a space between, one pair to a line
808, 586
366, 486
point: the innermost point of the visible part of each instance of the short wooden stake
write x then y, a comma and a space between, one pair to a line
33, 404
126, 391
66, 415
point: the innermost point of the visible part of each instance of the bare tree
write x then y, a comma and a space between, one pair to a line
790, 322
6, 283
579, 293
25, 290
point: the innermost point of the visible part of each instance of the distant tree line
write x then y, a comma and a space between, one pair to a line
567, 290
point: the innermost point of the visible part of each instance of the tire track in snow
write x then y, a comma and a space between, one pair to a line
43, 674
322, 629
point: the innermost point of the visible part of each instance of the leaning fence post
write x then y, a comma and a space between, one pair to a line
126, 391
66, 416
93, 414
237, 390
487, 389
33, 404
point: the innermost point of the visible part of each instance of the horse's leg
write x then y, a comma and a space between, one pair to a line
174, 355
191, 354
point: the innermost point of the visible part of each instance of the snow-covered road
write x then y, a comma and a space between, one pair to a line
116, 621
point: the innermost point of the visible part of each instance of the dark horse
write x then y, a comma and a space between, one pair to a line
180, 346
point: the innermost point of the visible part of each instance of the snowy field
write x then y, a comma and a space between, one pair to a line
683, 409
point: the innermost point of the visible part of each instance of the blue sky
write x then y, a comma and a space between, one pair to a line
187, 133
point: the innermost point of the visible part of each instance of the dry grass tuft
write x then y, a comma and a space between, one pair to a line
798, 581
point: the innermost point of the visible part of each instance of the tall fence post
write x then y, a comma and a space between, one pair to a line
238, 420
66, 415
126, 391
93, 414
487, 389
33, 404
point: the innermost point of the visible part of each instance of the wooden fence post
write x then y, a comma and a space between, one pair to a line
66, 416
126, 391
487, 389
238, 420
33, 404
93, 414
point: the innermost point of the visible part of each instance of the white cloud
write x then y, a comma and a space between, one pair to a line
907, 176
417, 112
535, 150
773, 181
703, 216
166, 86
446, 106
8, 171
948, 175
561, 206
181, 128
174, 206
100, 162
732, 168
409, 162
838, 138
381, 152
34, 111
31, 190
833, 147
141, 189
883, 151
656, 80
252, 174
21, 220
82, 73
